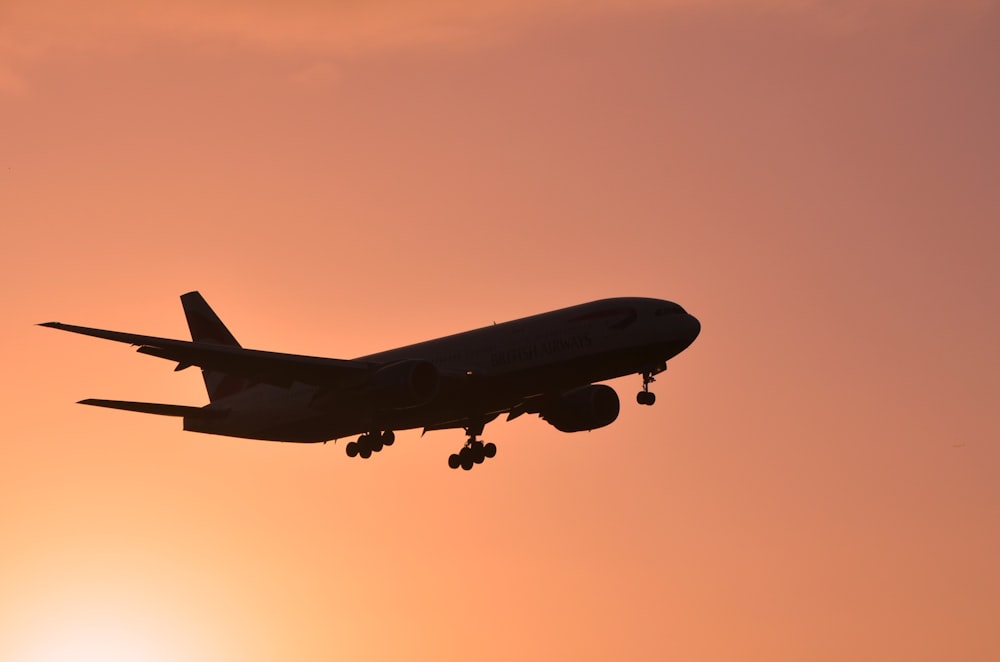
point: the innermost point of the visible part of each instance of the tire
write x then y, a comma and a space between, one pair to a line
388, 438
352, 449
466, 458
490, 450
454, 461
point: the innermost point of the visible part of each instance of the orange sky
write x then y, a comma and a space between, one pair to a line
817, 182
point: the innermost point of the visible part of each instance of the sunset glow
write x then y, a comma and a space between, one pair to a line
816, 182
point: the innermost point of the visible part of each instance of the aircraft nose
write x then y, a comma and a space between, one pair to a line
692, 327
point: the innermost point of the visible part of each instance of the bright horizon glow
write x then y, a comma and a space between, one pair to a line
117, 640
105, 624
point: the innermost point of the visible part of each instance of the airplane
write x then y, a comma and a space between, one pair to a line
548, 364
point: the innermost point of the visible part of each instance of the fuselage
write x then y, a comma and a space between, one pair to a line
485, 372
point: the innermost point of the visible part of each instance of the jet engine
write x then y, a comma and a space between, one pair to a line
405, 383
584, 408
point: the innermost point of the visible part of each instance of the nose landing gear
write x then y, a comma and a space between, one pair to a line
645, 396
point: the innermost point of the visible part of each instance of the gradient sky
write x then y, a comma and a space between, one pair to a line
816, 181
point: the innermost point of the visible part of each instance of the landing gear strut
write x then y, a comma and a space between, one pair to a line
645, 396
474, 451
370, 443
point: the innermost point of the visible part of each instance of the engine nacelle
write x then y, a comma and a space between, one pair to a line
405, 383
585, 408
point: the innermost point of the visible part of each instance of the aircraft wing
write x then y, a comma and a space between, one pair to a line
268, 367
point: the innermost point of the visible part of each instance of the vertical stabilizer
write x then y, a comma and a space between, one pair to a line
204, 324
206, 327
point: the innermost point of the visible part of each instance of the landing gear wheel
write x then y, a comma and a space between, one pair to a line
474, 452
370, 442
645, 397
466, 458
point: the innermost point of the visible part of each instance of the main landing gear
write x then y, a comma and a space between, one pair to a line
370, 443
645, 396
474, 451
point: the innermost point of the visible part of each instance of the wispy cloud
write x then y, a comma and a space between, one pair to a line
35, 28
30, 29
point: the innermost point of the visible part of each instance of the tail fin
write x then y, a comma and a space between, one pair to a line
206, 327
204, 324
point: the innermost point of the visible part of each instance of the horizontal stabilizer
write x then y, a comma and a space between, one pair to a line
153, 408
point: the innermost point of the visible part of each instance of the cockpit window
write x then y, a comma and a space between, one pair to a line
669, 308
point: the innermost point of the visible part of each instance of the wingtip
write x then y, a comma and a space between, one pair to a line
51, 325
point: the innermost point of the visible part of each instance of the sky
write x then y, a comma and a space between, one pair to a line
815, 181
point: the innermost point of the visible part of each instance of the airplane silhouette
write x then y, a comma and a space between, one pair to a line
547, 364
